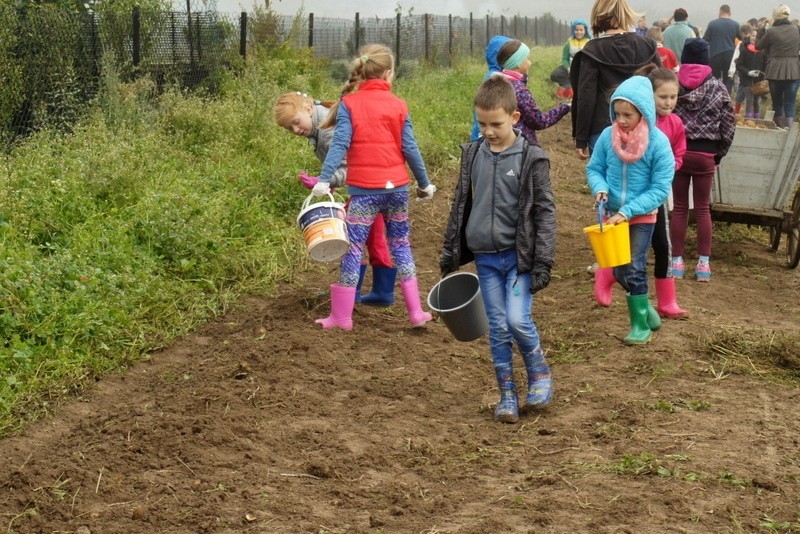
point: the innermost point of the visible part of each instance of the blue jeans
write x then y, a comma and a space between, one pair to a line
784, 97
507, 299
633, 275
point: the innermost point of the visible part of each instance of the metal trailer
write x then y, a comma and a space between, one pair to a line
755, 180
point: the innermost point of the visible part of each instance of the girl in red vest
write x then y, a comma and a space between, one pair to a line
373, 130
303, 116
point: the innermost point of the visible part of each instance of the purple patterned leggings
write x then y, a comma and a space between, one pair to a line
361, 214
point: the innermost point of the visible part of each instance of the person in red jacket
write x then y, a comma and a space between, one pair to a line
668, 58
373, 129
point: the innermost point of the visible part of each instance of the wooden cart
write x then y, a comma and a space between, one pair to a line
756, 179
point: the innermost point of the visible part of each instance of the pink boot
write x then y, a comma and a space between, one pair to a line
343, 300
413, 304
667, 303
603, 282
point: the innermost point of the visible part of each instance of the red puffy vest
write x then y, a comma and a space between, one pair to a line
375, 157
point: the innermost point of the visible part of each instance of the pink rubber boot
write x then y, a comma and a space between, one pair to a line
413, 304
603, 282
343, 300
667, 300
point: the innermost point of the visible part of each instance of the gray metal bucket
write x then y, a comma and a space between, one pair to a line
457, 299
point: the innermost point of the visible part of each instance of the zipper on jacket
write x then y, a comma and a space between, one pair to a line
624, 184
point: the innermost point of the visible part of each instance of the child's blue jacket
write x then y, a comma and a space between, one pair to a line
640, 187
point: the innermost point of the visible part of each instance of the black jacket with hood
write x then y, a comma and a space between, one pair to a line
596, 71
536, 225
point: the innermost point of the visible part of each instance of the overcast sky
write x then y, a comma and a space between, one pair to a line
700, 12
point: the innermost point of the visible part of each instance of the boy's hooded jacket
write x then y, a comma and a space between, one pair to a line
600, 66
533, 233
640, 187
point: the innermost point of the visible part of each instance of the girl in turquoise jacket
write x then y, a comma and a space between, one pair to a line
631, 171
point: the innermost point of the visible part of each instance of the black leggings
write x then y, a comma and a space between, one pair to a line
662, 248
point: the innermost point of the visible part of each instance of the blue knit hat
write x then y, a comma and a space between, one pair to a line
695, 51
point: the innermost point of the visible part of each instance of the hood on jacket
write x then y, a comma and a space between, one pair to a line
692, 76
494, 46
638, 90
621, 52
318, 114
584, 24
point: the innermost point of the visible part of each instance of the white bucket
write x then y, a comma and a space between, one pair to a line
324, 229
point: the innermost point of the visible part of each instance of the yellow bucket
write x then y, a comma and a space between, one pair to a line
611, 243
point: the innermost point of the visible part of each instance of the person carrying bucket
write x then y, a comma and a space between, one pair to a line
302, 116
373, 129
503, 217
665, 91
630, 172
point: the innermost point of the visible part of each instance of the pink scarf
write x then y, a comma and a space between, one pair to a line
630, 146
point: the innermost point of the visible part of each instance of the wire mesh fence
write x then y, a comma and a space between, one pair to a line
52, 61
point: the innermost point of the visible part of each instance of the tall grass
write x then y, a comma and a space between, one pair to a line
158, 212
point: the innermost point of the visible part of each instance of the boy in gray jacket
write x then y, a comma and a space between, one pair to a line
504, 218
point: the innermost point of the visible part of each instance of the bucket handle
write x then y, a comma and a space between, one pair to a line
310, 197
600, 212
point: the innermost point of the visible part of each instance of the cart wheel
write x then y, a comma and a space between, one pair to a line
775, 236
793, 235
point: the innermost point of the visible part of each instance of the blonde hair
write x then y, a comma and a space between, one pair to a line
290, 104
373, 61
612, 15
655, 34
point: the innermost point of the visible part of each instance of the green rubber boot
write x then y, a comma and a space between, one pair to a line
638, 310
653, 318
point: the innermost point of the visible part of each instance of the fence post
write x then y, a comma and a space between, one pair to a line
137, 35
199, 37
311, 30
173, 38
95, 46
427, 36
471, 51
450, 38
191, 39
516, 27
397, 41
357, 39
502, 25
487, 30
527, 35
535, 30
243, 35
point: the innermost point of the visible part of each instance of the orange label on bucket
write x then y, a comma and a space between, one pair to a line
326, 240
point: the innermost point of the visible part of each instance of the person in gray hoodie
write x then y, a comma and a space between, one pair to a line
503, 217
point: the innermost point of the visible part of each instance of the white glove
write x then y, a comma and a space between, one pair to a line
427, 193
754, 73
321, 189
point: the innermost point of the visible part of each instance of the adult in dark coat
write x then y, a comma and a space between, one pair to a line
601, 65
781, 43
